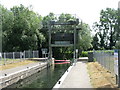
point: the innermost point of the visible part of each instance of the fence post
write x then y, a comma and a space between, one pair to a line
4, 57
20, 56
37, 54
118, 68
29, 53
33, 54
24, 55
13, 56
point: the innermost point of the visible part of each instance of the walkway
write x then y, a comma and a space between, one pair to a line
77, 77
12, 70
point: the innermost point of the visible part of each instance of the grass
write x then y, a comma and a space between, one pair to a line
13, 65
100, 77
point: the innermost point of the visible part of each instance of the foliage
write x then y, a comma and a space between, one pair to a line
95, 42
117, 45
84, 54
84, 37
106, 29
21, 27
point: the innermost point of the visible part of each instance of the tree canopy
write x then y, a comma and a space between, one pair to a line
21, 27
107, 29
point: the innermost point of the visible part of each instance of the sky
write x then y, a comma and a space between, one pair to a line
87, 10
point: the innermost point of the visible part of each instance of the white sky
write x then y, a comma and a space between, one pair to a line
87, 10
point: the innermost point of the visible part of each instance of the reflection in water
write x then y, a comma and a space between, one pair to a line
47, 78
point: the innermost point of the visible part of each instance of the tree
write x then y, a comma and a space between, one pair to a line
85, 38
95, 42
6, 26
106, 28
24, 29
118, 30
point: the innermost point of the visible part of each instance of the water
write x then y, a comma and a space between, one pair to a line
46, 78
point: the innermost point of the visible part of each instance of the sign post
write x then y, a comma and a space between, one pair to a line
44, 52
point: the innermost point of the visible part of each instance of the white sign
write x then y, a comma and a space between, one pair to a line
116, 62
44, 50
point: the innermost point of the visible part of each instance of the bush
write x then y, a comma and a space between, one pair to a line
84, 54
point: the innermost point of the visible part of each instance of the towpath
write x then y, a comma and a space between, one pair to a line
77, 77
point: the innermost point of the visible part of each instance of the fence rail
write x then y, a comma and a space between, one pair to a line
12, 57
111, 61
106, 59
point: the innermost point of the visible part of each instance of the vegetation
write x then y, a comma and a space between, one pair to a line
23, 29
107, 30
20, 28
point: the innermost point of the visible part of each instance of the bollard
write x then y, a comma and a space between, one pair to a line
59, 82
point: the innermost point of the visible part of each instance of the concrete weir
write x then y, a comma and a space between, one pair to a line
14, 77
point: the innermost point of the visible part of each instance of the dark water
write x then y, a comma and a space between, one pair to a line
46, 78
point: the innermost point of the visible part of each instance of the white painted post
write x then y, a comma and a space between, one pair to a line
20, 56
13, 56
24, 55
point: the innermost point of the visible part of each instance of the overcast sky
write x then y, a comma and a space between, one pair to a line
87, 10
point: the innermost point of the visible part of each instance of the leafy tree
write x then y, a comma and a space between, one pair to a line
85, 37
95, 42
118, 30
24, 33
106, 28
6, 25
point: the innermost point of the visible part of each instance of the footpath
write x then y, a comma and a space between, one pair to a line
76, 77
15, 69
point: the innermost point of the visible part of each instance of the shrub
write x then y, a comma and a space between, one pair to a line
84, 54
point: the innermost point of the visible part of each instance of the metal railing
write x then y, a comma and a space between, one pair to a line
106, 59
12, 57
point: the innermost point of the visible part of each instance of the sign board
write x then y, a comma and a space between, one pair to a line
44, 50
116, 62
62, 38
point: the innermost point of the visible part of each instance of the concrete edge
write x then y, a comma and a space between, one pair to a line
21, 70
60, 81
16, 76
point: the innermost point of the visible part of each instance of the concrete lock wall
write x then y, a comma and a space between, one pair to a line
15, 77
